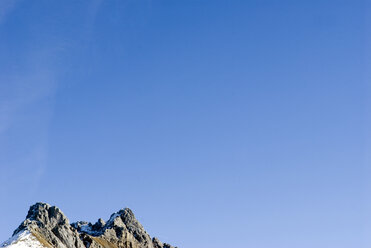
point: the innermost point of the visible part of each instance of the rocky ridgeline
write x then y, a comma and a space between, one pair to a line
52, 228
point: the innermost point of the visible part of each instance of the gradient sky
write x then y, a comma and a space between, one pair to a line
220, 123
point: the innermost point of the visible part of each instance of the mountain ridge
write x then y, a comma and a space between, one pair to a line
47, 226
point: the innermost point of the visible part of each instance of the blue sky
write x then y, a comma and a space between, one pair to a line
220, 123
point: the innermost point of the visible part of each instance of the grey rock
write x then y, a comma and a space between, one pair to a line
51, 225
99, 225
157, 243
52, 228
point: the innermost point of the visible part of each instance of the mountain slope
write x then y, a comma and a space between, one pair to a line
24, 239
47, 227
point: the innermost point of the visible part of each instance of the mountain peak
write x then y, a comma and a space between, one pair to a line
45, 213
48, 225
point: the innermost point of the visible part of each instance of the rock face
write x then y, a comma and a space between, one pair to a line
51, 228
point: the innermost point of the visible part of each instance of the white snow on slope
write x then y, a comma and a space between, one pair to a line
23, 239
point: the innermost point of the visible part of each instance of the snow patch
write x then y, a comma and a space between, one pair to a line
21, 240
112, 219
86, 229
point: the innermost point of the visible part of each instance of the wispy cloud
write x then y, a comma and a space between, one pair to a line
92, 12
22, 91
6, 6
25, 112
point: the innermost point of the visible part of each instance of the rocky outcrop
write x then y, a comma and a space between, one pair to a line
52, 228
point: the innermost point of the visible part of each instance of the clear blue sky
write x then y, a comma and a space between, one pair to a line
220, 123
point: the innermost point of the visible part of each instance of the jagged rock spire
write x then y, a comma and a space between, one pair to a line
51, 226
43, 215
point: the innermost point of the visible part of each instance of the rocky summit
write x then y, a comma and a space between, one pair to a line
47, 226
